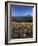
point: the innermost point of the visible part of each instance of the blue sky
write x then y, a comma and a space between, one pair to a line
21, 10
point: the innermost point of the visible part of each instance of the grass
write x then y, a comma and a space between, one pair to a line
21, 25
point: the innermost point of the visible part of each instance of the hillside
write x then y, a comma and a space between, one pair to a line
22, 18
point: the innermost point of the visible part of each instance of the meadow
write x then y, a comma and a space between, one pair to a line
22, 28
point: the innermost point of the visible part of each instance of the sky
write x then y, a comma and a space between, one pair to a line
17, 10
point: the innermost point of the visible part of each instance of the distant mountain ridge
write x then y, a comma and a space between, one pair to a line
22, 18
